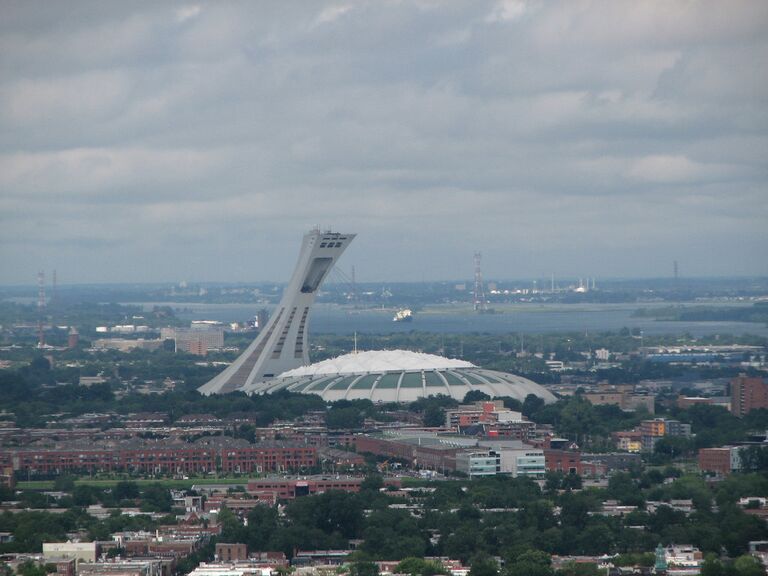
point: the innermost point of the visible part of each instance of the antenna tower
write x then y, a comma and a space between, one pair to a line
40, 308
41, 291
479, 304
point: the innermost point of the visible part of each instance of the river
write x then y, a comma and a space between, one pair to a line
528, 319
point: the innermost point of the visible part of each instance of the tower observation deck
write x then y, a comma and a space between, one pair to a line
282, 343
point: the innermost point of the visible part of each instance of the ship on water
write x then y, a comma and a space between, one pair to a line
403, 315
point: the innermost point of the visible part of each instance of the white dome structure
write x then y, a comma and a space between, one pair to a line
398, 376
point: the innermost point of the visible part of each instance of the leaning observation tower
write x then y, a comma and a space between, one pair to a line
282, 344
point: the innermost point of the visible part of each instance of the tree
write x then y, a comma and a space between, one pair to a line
579, 569
372, 483
363, 569
571, 482
156, 498
83, 496
393, 534
671, 447
420, 567
748, 566
64, 483
530, 563
434, 416
126, 490
712, 566
622, 487
331, 512
347, 418
475, 396
30, 568
262, 524
578, 419
483, 565
531, 405
554, 480
754, 459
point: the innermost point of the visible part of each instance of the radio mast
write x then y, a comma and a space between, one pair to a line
479, 304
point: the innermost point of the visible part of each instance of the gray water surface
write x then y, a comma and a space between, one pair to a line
537, 319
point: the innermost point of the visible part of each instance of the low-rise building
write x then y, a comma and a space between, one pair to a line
686, 402
625, 400
226, 552
683, 560
720, 461
478, 463
652, 430
120, 567
290, 488
565, 461
80, 551
197, 340
126, 345
232, 569
628, 440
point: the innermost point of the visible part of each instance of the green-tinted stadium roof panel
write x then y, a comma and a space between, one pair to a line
398, 376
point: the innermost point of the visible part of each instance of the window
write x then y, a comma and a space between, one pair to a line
316, 273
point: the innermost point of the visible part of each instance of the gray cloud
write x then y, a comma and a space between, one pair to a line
161, 141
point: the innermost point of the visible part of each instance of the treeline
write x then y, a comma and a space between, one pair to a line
36, 525
507, 518
86, 315
716, 426
30, 395
31, 528
758, 312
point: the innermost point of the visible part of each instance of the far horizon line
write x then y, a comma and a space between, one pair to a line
470, 280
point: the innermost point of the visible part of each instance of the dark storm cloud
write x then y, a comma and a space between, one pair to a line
161, 141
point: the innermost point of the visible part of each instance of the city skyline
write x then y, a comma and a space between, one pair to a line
159, 142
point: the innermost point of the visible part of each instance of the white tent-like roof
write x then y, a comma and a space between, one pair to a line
398, 376
377, 361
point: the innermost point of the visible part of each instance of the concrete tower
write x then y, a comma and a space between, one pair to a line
282, 343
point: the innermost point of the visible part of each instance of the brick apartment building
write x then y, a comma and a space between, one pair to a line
748, 394
231, 552
433, 456
566, 461
159, 458
288, 489
721, 461
268, 458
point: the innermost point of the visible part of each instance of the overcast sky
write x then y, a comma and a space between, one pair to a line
158, 141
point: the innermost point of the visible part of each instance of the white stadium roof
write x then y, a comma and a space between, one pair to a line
398, 376
378, 361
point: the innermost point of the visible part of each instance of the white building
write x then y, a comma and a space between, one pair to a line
231, 569
478, 464
80, 551
516, 458
683, 560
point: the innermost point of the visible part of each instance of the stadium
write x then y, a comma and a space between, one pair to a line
398, 376
278, 359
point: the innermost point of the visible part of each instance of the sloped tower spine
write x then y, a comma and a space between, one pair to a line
282, 344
